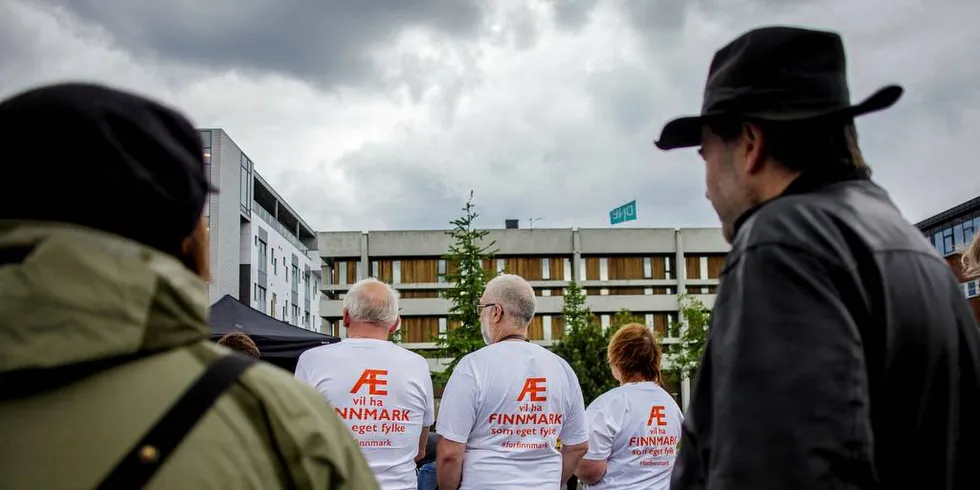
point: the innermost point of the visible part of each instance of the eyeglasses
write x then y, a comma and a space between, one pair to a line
487, 305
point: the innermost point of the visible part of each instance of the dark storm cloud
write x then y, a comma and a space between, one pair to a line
323, 42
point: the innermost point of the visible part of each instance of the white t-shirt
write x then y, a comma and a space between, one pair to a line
509, 403
635, 428
384, 394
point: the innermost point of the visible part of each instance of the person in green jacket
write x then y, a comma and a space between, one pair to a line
103, 312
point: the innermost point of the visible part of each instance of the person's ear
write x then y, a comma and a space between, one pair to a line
345, 318
394, 328
751, 147
498, 313
195, 251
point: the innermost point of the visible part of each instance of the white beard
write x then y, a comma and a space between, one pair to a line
485, 330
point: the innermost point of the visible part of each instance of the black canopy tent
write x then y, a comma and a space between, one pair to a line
279, 342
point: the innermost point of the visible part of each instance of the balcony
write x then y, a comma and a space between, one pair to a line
279, 227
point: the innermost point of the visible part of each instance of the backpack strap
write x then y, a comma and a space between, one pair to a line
151, 452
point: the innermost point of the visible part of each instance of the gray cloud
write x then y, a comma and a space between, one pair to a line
324, 42
544, 108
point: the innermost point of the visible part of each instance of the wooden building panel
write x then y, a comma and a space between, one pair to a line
693, 265
591, 268
716, 263
420, 329
351, 278
557, 327
535, 331
702, 289
557, 268
527, 267
626, 291
419, 270
658, 267
624, 267
418, 294
660, 324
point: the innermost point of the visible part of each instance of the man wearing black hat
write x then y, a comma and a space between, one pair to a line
842, 353
107, 379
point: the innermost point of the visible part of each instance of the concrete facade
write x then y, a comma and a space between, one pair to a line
362, 251
262, 252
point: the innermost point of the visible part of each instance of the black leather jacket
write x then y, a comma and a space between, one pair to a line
842, 354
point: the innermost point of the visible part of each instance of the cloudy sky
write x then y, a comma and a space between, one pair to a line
369, 114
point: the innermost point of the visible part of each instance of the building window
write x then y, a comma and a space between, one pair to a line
972, 289
648, 319
948, 241
442, 326
260, 298
501, 266
374, 268
263, 260
603, 292
968, 232
295, 315
604, 320
442, 271
357, 270
546, 324
396, 272
603, 269
581, 270
272, 307
567, 269
546, 269
275, 263
342, 273
667, 268
647, 291
703, 267
647, 267
545, 292
295, 279
246, 184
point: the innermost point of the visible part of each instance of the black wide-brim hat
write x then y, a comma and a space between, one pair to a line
776, 74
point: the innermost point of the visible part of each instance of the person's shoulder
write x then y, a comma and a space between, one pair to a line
306, 421
321, 351
612, 397
409, 358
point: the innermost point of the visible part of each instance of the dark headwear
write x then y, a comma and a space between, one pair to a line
109, 160
776, 74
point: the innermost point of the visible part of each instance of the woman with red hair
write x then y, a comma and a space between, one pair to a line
634, 428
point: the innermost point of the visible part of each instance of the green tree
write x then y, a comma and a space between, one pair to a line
623, 317
692, 330
584, 345
468, 279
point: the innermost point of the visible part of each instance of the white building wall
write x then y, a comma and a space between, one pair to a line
278, 301
225, 221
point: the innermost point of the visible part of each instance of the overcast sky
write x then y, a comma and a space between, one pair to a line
384, 114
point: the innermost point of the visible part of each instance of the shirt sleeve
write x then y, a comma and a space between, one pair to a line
301, 373
789, 403
430, 415
604, 426
457, 411
575, 429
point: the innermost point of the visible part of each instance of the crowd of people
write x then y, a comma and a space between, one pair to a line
842, 352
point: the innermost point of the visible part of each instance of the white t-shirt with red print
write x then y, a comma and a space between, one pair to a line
635, 428
384, 394
509, 403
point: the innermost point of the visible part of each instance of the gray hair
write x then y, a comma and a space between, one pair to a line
366, 302
514, 295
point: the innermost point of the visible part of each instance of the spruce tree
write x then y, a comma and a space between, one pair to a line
584, 345
468, 279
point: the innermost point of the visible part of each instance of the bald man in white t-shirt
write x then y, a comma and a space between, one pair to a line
382, 391
507, 404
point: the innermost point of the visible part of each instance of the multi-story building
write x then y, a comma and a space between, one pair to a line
262, 252
950, 232
634, 268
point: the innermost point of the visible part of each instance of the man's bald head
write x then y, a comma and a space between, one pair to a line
371, 301
514, 295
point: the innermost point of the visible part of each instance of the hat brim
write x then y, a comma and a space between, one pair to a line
685, 132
